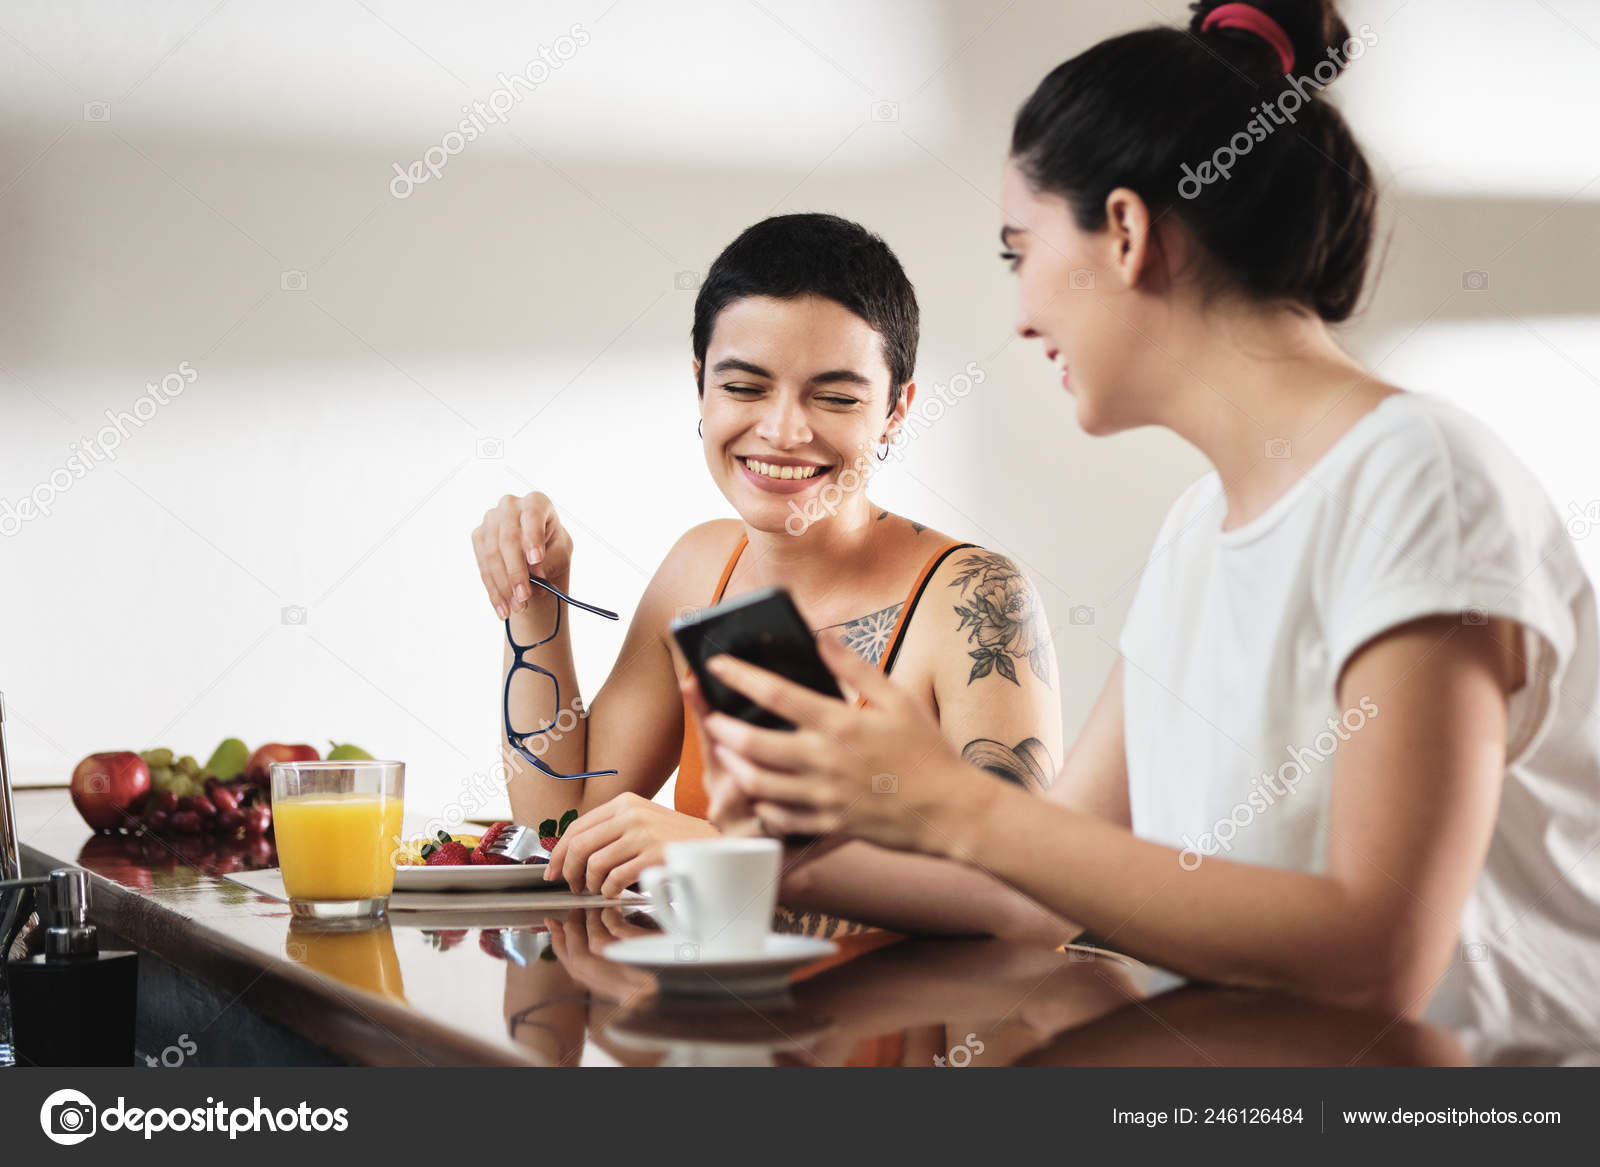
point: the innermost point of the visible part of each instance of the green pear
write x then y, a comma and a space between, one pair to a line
229, 759
346, 752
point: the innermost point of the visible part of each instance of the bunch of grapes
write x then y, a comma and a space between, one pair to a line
184, 800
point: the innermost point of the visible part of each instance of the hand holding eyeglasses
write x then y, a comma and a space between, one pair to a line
518, 535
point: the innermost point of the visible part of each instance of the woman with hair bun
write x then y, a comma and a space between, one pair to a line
1350, 749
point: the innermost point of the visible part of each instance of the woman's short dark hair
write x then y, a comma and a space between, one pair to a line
1260, 168
816, 255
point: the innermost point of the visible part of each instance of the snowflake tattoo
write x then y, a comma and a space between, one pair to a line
869, 636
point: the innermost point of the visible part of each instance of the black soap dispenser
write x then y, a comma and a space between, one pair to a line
72, 1005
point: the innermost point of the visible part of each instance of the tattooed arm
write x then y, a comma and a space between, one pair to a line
980, 635
995, 682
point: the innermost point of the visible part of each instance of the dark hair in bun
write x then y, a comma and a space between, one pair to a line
1262, 170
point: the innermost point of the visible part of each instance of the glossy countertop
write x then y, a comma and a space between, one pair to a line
531, 988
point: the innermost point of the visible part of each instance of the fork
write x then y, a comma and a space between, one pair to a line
518, 844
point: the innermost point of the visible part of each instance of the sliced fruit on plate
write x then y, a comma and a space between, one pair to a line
550, 831
482, 855
451, 854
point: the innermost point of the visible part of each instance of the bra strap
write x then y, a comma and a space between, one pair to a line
727, 572
913, 598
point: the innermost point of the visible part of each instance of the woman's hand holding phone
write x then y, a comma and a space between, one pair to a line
883, 773
519, 537
730, 811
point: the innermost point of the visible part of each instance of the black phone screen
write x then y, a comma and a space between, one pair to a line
764, 628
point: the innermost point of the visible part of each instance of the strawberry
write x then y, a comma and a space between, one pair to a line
550, 831
482, 855
451, 854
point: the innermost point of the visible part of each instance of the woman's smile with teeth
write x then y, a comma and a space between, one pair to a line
770, 470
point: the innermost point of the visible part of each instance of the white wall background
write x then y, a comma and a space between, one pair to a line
163, 165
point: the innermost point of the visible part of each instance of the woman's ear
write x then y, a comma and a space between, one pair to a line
897, 415
1132, 240
700, 385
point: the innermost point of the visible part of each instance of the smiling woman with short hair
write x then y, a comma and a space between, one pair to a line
805, 341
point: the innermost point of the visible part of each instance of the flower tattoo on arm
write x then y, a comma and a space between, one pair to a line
1002, 617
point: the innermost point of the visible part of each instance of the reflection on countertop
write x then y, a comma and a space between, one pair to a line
533, 988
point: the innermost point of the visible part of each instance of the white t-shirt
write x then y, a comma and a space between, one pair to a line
1234, 645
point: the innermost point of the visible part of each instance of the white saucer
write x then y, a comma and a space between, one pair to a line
681, 969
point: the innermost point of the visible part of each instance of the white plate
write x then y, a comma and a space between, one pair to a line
478, 877
681, 970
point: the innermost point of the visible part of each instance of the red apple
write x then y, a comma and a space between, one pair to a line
107, 787
264, 756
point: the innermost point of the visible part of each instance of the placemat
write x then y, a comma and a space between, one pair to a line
269, 882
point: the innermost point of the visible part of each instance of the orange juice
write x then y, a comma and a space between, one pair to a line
337, 846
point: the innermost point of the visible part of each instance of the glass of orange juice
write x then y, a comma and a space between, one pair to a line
337, 826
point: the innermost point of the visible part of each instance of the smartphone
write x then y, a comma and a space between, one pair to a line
764, 628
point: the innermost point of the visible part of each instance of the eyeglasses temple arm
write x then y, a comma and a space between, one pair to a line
555, 591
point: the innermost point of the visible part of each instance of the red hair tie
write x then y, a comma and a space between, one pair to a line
1251, 19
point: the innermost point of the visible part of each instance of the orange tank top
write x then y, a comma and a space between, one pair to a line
690, 796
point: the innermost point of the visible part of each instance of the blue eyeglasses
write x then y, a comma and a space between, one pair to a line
519, 740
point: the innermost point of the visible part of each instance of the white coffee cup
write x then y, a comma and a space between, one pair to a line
716, 897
